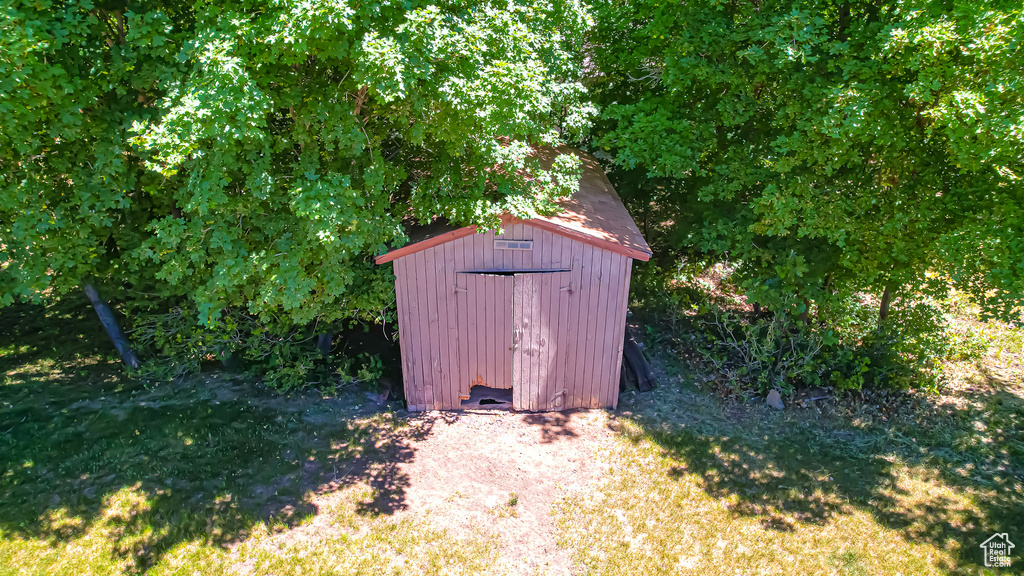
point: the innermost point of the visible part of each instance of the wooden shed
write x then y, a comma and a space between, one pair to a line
536, 312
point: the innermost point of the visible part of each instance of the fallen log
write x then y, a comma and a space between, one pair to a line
634, 362
627, 378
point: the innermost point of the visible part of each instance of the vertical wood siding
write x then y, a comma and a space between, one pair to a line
576, 326
490, 363
465, 323
627, 265
543, 341
457, 328
522, 322
405, 336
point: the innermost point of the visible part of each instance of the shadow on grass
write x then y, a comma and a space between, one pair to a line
200, 467
64, 330
82, 447
787, 471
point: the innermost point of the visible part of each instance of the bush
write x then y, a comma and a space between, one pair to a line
844, 349
174, 345
760, 355
908, 351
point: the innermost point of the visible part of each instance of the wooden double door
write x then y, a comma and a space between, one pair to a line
513, 333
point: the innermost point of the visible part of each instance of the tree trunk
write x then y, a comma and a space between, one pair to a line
323, 343
229, 360
844, 22
883, 309
827, 289
113, 330
805, 316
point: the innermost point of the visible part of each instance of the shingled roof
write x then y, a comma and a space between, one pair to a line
594, 215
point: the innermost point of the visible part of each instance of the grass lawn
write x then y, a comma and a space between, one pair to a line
707, 489
898, 484
102, 475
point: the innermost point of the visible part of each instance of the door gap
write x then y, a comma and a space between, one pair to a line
510, 272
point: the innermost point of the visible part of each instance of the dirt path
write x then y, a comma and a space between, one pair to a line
500, 474
483, 475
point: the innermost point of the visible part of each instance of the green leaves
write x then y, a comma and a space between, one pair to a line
829, 148
255, 156
68, 201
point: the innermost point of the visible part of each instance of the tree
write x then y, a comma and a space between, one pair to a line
827, 147
255, 155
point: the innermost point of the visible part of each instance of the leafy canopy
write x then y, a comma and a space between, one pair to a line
829, 147
257, 154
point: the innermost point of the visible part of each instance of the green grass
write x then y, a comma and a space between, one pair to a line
101, 475
895, 485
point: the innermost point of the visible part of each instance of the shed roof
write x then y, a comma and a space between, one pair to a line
594, 214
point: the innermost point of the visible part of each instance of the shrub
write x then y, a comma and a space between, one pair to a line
176, 345
763, 354
781, 352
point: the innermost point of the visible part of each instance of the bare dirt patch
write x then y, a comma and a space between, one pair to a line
502, 472
496, 475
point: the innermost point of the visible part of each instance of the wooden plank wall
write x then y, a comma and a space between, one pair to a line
543, 345
486, 336
580, 315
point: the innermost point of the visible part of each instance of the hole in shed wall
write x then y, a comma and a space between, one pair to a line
488, 398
